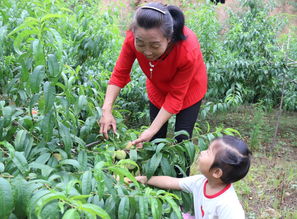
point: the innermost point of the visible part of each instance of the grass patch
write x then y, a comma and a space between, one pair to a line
270, 188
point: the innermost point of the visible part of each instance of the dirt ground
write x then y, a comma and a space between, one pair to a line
270, 188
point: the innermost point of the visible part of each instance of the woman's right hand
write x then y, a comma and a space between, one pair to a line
106, 123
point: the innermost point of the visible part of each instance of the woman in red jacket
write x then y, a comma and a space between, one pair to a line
169, 55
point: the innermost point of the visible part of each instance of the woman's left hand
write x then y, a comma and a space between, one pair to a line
144, 137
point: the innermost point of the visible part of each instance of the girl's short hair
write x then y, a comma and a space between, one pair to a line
232, 157
171, 22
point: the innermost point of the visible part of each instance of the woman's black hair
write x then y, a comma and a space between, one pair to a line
171, 22
233, 158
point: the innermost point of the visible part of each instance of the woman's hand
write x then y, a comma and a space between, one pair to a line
141, 179
158, 122
106, 123
144, 137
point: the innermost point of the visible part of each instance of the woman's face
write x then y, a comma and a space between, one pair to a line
150, 42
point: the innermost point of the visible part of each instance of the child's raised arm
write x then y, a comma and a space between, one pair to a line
163, 182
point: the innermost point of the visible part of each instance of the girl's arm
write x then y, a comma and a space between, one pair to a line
163, 182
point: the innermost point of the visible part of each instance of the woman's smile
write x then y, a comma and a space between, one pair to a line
150, 42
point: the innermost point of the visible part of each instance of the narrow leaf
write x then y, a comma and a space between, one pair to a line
71, 214
66, 138
49, 96
20, 161
95, 210
53, 65
124, 208
36, 78
86, 185
6, 199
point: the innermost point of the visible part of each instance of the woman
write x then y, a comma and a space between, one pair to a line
169, 55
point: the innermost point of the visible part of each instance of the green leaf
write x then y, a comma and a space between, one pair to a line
21, 37
86, 183
71, 162
156, 207
45, 169
53, 66
34, 199
182, 132
2, 167
20, 161
71, 186
173, 205
9, 147
133, 155
36, 78
124, 208
190, 148
153, 164
29, 22
81, 103
21, 192
122, 172
20, 139
83, 160
47, 126
48, 198
58, 44
6, 199
78, 197
230, 131
38, 54
50, 16
160, 147
127, 163
167, 169
23, 142
43, 158
71, 214
7, 113
143, 207
49, 96
50, 211
66, 138
94, 210
99, 177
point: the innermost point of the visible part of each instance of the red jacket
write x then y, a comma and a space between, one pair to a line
177, 82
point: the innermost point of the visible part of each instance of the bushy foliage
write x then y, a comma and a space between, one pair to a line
56, 58
244, 60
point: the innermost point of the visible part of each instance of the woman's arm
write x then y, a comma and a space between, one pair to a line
163, 182
162, 117
107, 120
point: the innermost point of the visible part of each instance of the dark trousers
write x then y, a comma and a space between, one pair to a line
185, 120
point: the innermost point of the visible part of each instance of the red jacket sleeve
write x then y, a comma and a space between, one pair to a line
121, 72
181, 82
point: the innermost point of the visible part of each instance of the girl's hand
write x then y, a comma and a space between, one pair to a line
144, 137
141, 179
106, 123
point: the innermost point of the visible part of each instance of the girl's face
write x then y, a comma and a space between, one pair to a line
150, 42
206, 159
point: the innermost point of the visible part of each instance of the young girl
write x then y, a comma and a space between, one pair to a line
169, 55
226, 161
